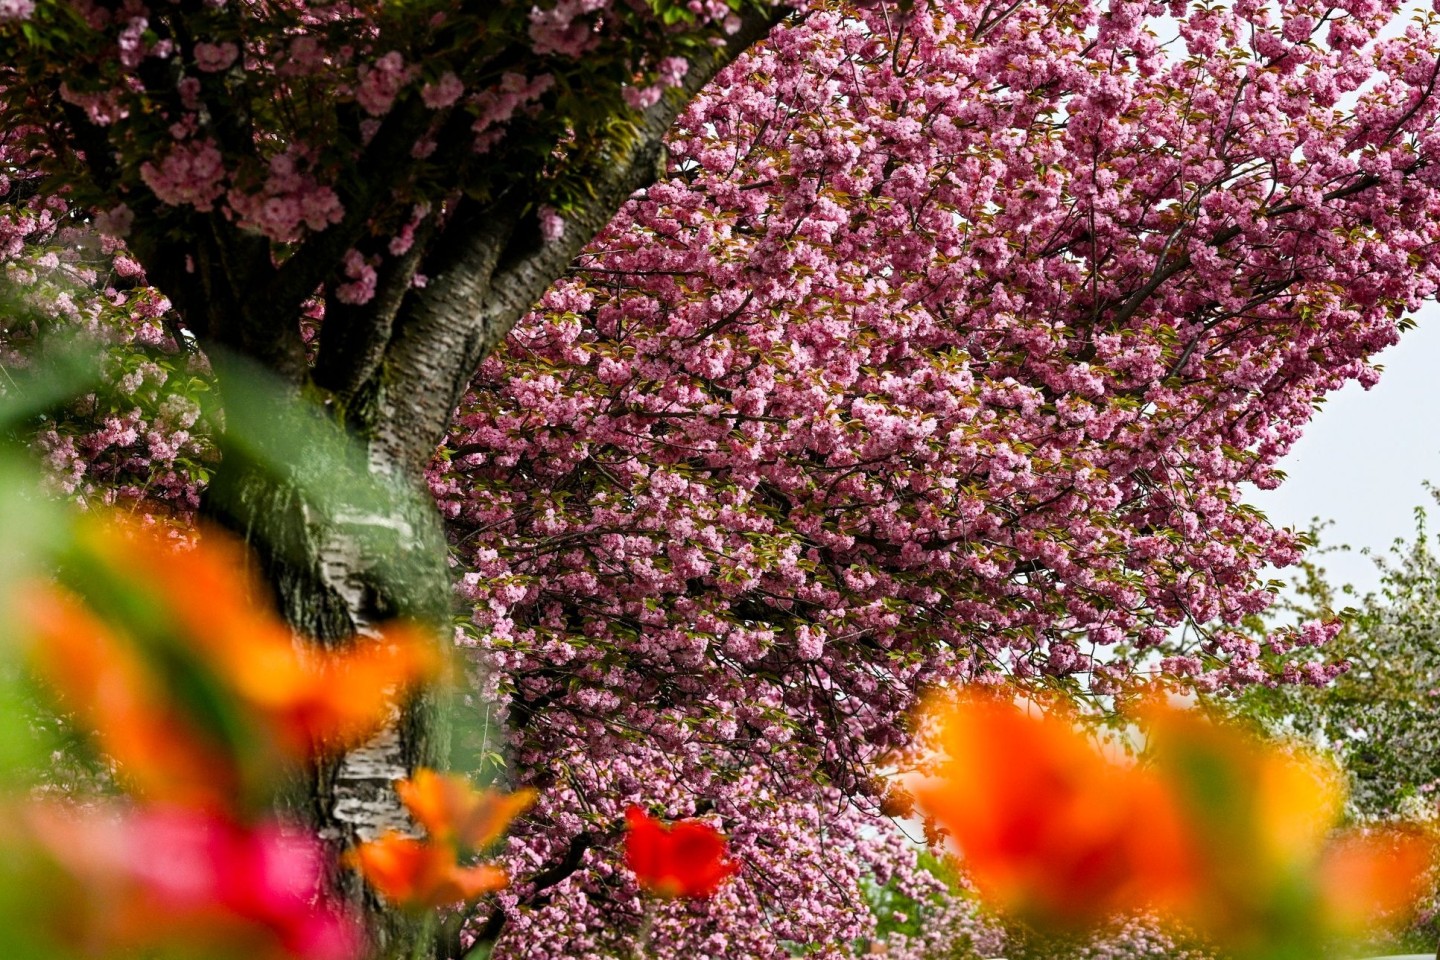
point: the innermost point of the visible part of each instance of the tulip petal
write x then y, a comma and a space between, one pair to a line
684, 859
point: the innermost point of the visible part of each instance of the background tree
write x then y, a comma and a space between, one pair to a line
1378, 718
936, 359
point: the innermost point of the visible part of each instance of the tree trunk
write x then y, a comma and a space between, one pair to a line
340, 568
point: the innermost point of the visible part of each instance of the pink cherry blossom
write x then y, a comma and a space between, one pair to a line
552, 225
443, 92
214, 57
16, 9
380, 83
939, 353
191, 173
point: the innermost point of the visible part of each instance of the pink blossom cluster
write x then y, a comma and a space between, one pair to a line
552, 224
568, 27
289, 198
670, 72
19, 226
141, 440
502, 101
360, 287
443, 92
102, 107
197, 105
214, 57
380, 83
16, 9
951, 924
1141, 937
190, 173
930, 913
572, 28
141, 446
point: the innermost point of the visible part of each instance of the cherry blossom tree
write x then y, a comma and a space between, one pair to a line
932, 345
942, 356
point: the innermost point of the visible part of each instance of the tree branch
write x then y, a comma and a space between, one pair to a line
385, 162
498, 272
495, 923
355, 337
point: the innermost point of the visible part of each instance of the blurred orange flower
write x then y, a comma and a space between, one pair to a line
427, 873
110, 688
315, 699
1262, 814
1048, 827
420, 873
683, 859
211, 594
1368, 878
1224, 831
187, 678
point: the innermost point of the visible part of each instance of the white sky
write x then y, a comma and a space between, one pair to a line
1365, 455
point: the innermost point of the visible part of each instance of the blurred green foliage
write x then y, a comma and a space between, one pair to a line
1381, 718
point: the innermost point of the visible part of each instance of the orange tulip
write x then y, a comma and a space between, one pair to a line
211, 595
114, 692
1261, 814
331, 698
427, 873
1223, 831
1367, 878
208, 588
420, 874
683, 859
1285, 802
453, 811
1047, 826
200, 681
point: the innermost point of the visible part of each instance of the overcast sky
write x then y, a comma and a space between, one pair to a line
1365, 455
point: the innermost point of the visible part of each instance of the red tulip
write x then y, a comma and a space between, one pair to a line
684, 859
